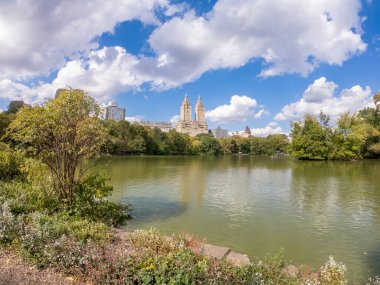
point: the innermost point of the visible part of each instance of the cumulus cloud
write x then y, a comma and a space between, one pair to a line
134, 119
174, 120
105, 73
240, 109
237, 31
271, 129
320, 96
37, 36
62, 35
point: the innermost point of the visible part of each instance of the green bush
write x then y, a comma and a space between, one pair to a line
10, 163
91, 201
48, 238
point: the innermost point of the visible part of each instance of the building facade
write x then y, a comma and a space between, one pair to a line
186, 125
114, 112
219, 133
163, 126
244, 134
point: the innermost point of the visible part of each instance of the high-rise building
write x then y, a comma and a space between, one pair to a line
113, 112
186, 124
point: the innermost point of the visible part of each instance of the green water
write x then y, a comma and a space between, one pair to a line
257, 205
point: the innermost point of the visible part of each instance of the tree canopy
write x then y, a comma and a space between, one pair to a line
61, 133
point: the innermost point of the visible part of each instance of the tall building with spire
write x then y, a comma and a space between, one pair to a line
186, 124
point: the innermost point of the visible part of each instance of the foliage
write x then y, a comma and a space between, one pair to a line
61, 134
332, 273
348, 138
5, 121
15, 106
208, 145
91, 201
10, 162
310, 139
353, 136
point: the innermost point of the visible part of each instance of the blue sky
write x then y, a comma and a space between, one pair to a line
253, 62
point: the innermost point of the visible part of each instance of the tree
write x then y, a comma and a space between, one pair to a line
348, 138
5, 120
371, 116
208, 144
310, 140
63, 134
15, 106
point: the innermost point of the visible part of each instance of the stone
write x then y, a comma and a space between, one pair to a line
238, 259
214, 251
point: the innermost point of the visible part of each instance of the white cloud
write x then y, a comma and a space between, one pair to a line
319, 96
237, 31
105, 73
62, 35
134, 119
174, 120
37, 35
271, 129
240, 109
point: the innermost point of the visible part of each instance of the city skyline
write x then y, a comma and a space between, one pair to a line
148, 55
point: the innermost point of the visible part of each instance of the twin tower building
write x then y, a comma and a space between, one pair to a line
186, 124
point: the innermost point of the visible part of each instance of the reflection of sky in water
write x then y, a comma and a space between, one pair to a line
257, 205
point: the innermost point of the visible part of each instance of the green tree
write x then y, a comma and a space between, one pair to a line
62, 134
228, 145
5, 120
15, 106
310, 140
371, 116
179, 143
209, 145
348, 138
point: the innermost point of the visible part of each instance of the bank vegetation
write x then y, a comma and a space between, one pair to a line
55, 214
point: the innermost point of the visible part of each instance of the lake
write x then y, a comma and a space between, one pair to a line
258, 205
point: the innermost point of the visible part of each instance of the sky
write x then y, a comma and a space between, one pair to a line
256, 63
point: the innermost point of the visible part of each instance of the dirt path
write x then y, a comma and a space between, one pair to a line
13, 271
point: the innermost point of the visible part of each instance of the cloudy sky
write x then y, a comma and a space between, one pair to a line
261, 63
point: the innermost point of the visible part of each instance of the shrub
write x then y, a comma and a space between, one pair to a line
49, 238
23, 198
332, 273
91, 201
10, 163
9, 226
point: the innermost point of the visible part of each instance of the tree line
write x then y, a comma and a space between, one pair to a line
132, 138
350, 136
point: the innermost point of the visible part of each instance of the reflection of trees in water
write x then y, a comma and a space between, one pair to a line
150, 209
324, 185
349, 182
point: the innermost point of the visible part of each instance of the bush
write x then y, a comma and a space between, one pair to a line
23, 198
91, 201
52, 240
10, 163
332, 273
9, 227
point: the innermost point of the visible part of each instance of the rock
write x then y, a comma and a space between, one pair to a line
238, 259
210, 250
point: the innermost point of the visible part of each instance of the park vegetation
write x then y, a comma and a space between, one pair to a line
55, 213
350, 136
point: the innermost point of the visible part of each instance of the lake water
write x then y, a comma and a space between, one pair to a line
257, 205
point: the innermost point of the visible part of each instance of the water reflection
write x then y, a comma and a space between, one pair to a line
259, 204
